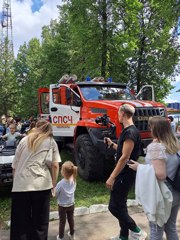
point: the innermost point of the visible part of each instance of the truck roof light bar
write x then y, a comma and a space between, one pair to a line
98, 79
88, 79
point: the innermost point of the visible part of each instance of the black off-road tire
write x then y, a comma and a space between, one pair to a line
89, 161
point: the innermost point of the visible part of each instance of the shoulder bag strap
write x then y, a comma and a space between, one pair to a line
51, 143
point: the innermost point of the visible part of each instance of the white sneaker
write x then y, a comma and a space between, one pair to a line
58, 238
138, 236
71, 237
115, 238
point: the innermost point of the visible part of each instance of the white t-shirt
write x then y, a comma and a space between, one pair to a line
31, 172
157, 151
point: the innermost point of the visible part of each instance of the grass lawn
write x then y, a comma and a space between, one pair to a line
87, 193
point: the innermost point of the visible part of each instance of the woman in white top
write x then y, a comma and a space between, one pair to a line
161, 153
32, 184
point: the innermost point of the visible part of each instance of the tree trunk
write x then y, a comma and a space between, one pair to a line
104, 38
139, 64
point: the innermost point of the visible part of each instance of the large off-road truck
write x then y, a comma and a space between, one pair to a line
83, 113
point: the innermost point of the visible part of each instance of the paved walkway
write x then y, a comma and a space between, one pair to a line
97, 226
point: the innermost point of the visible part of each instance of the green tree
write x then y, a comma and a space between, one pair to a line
131, 41
29, 72
156, 50
55, 51
8, 84
88, 36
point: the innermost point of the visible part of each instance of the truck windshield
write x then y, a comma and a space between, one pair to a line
106, 93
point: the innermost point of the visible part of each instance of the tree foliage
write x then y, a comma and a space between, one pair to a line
29, 73
8, 82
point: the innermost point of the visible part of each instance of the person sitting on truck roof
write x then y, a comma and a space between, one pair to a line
11, 136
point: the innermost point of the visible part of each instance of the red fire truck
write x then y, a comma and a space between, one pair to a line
83, 113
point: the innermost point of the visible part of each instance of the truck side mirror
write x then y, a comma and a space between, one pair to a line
146, 93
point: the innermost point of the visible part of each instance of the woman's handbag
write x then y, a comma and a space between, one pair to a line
176, 182
49, 156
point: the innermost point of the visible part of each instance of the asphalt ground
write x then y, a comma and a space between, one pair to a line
96, 226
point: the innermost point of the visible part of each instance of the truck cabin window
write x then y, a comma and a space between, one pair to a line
106, 93
45, 102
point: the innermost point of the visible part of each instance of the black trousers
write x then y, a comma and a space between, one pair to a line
118, 203
30, 215
66, 212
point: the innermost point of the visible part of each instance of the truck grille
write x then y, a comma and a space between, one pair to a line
142, 116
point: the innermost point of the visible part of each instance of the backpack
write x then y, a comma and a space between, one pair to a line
176, 182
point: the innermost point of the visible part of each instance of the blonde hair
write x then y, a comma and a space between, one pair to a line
42, 131
69, 169
161, 129
128, 109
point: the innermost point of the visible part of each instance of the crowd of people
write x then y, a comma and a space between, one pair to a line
22, 126
34, 182
13, 128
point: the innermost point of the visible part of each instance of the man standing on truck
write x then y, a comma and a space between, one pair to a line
122, 178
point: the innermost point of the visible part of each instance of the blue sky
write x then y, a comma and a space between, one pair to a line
174, 96
28, 18
37, 4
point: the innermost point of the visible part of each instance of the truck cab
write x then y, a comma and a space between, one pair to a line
83, 113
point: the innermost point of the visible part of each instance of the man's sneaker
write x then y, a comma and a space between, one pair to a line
138, 236
58, 238
71, 237
115, 238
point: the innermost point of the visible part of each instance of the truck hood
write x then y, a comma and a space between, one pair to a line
6, 159
134, 103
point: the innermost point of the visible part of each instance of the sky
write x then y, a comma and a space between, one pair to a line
28, 18
174, 96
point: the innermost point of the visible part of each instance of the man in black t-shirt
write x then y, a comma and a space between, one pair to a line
122, 178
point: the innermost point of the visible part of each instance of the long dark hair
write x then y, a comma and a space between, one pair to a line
161, 129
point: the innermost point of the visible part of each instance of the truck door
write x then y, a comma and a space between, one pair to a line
63, 110
146, 93
43, 103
